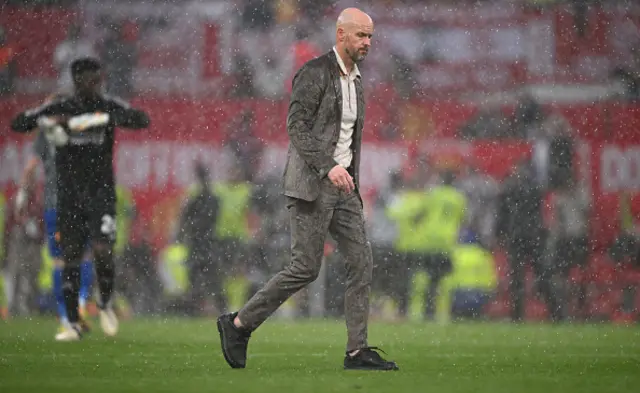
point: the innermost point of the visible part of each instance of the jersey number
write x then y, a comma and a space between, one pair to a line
108, 225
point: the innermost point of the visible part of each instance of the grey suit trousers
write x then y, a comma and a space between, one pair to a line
340, 214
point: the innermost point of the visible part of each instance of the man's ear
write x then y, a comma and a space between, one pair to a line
341, 34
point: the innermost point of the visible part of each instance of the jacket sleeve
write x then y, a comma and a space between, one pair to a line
28, 120
309, 86
125, 116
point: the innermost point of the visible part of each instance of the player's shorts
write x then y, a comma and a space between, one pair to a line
85, 220
51, 226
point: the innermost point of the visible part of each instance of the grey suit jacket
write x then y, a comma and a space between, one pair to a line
313, 124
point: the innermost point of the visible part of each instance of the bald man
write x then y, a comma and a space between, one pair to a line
321, 182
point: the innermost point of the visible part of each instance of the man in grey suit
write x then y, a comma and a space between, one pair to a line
325, 119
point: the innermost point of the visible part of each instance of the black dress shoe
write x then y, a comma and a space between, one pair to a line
234, 341
368, 359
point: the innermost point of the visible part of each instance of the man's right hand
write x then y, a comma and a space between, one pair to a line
341, 178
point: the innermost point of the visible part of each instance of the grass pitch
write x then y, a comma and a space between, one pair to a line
180, 355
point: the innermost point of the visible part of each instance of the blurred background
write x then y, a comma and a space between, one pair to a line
527, 109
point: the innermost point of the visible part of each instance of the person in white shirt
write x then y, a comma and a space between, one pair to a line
321, 182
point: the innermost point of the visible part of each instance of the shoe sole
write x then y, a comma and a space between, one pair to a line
230, 362
371, 369
67, 340
112, 324
109, 332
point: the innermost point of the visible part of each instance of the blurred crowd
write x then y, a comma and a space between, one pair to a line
271, 39
448, 240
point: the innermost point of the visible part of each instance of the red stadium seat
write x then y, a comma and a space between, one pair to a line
605, 304
601, 271
629, 275
577, 275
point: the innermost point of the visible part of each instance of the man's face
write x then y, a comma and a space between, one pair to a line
357, 40
88, 82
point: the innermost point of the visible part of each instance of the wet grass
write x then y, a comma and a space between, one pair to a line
181, 355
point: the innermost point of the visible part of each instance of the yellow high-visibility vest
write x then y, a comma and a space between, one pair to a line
173, 269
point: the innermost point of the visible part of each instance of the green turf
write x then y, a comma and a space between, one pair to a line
183, 356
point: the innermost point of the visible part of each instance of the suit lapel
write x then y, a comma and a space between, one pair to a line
338, 90
335, 77
337, 87
360, 108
